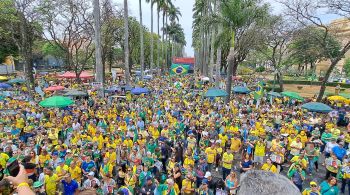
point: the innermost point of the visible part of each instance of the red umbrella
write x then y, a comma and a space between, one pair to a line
68, 75
55, 88
86, 75
72, 75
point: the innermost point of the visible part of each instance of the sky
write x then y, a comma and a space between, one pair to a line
185, 21
186, 7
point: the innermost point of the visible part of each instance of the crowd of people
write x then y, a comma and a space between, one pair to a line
171, 141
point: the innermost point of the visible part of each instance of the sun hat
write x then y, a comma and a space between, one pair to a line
37, 184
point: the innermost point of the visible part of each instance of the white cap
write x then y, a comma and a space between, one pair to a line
207, 174
91, 173
69, 151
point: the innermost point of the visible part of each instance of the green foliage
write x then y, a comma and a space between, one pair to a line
53, 49
260, 69
346, 67
311, 44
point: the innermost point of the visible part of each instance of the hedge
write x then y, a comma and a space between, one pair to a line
298, 82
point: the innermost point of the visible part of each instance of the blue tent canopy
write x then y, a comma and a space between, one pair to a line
317, 107
215, 92
139, 91
240, 89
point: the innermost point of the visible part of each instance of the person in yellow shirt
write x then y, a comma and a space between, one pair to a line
43, 158
211, 155
3, 159
236, 144
268, 166
188, 161
112, 156
188, 185
50, 181
62, 168
259, 151
106, 168
223, 137
75, 172
227, 160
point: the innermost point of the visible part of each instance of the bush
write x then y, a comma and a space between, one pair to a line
260, 69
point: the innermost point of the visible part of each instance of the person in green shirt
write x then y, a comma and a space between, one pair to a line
151, 146
325, 137
329, 187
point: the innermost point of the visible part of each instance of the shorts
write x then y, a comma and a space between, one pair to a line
259, 159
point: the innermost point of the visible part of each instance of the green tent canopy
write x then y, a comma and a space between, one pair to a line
56, 102
292, 95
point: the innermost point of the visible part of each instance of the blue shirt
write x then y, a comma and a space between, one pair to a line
70, 188
87, 166
339, 152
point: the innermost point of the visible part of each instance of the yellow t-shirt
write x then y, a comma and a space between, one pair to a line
235, 144
186, 184
223, 139
187, 162
43, 159
112, 156
271, 168
225, 158
259, 149
3, 159
211, 154
75, 173
59, 169
50, 184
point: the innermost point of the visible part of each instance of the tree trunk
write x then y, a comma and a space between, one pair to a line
151, 63
142, 57
126, 42
163, 60
231, 64
26, 52
280, 81
158, 40
98, 57
166, 43
218, 53
334, 62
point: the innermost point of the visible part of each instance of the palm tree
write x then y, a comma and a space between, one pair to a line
142, 57
99, 66
152, 3
174, 13
218, 52
126, 43
235, 14
165, 5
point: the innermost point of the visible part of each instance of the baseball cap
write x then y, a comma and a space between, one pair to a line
91, 174
312, 183
207, 174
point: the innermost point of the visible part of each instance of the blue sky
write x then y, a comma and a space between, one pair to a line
186, 19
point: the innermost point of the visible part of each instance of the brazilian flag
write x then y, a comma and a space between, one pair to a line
179, 69
259, 92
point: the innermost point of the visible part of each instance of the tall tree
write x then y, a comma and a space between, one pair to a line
277, 33
21, 26
142, 57
69, 24
98, 53
306, 13
126, 43
152, 2
237, 14
218, 52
